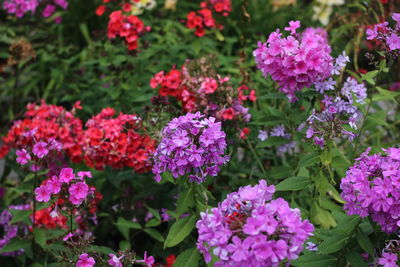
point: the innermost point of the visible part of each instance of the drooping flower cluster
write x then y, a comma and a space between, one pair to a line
279, 131
250, 229
338, 107
387, 35
371, 188
47, 126
9, 230
128, 27
198, 87
191, 144
115, 142
296, 61
20, 7
204, 19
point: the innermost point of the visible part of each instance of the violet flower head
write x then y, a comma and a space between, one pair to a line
296, 61
193, 145
250, 229
371, 188
20, 7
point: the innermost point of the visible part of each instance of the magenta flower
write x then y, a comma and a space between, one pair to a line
79, 190
85, 261
40, 149
148, 260
293, 25
23, 157
42, 194
53, 185
66, 175
84, 174
48, 11
250, 229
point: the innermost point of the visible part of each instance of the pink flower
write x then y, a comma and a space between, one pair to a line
85, 261
85, 174
23, 157
40, 150
42, 194
48, 11
79, 190
148, 260
66, 175
68, 236
209, 86
293, 25
114, 260
53, 185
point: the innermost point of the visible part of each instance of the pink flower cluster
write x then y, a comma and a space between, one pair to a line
67, 183
372, 188
20, 7
86, 261
296, 61
250, 229
384, 33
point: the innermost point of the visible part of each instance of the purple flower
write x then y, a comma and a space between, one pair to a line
262, 135
319, 141
85, 261
371, 188
250, 229
388, 260
114, 260
193, 145
393, 41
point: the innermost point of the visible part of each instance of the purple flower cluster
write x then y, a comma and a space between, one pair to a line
10, 231
20, 7
280, 131
387, 35
388, 259
250, 229
191, 144
296, 61
339, 107
372, 188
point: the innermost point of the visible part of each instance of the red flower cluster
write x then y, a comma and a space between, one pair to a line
115, 142
43, 123
205, 91
202, 19
128, 27
47, 219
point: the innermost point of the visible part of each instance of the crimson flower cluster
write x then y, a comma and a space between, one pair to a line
47, 123
115, 142
296, 61
129, 28
250, 229
203, 18
211, 94
191, 144
372, 188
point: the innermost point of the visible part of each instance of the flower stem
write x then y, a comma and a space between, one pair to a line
256, 157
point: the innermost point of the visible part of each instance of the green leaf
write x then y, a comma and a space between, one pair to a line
152, 223
385, 95
315, 260
364, 242
273, 141
154, 234
15, 244
100, 249
355, 259
293, 183
186, 200
179, 231
188, 258
155, 213
369, 76
40, 237
321, 216
333, 244
124, 245
124, 226
347, 225
20, 215
309, 160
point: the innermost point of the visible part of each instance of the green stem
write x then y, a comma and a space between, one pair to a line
256, 157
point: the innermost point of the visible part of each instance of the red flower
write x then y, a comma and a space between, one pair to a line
100, 10
244, 133
228, 114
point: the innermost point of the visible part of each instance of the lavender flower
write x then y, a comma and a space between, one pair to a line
250, 229
191, 144
371, 188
